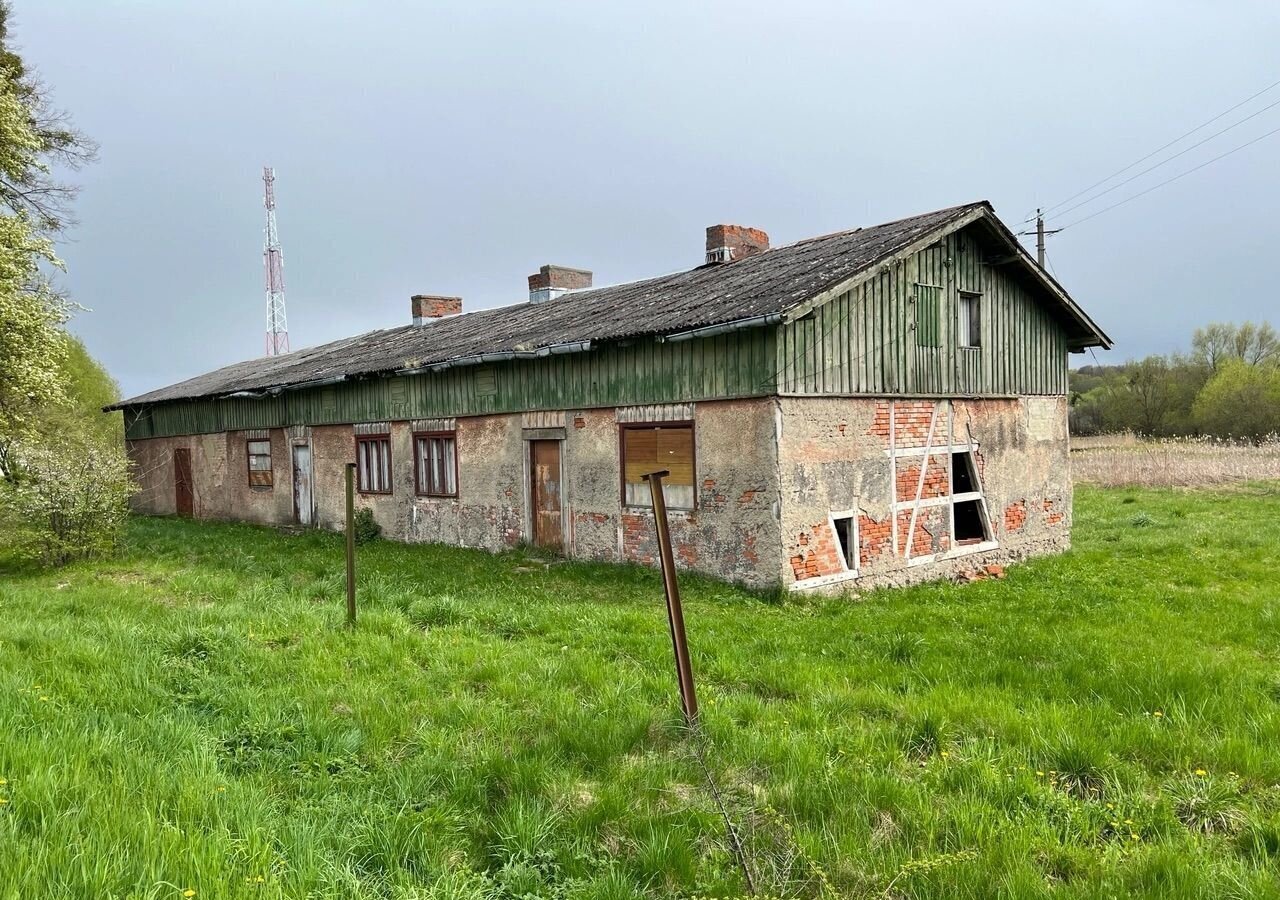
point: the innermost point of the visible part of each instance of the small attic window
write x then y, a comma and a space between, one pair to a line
969, 326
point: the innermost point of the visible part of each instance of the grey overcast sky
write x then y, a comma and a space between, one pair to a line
455, 147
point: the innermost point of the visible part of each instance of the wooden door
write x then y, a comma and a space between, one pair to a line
544, 493
302, 504
184, 497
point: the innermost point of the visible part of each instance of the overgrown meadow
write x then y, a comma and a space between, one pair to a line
193, 720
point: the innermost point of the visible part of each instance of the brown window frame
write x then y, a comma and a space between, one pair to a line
370, 439
624, 427
248, 463
419, 436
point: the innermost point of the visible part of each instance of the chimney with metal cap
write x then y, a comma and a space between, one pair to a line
428, 306
729, 243
550, 282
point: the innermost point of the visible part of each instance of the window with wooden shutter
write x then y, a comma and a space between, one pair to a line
654, 448
259, 455
373, 464
928, 315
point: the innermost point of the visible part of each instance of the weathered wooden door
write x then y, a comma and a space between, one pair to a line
184, 496
302, 504
544, 493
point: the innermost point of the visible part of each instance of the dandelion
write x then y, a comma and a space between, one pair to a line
3, 782
188, 893
1201, 772
1111, 806
43, 699
1159, 714
1128, 821
945, 754
1039, 774
3, 801
221, 789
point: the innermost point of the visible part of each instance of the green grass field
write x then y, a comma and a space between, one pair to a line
193, 717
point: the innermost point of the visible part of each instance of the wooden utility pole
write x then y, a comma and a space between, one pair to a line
351, 545
1040, 235
675, 614
1040, 238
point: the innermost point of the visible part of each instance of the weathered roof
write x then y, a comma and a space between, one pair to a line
768, 284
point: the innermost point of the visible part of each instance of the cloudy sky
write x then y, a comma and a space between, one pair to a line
455, 147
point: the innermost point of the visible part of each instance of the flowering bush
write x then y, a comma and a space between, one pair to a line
69, 497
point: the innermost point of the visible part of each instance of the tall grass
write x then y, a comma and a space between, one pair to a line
195, 717
1123, 460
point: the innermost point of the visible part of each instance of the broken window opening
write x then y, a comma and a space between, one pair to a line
970, 523
847, 533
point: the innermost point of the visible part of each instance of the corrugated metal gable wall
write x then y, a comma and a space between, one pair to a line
877, 340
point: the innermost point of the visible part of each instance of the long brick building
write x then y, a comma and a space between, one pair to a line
874, 406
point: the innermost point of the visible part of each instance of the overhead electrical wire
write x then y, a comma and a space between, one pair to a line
1167, 160
1162, 148
1171, 180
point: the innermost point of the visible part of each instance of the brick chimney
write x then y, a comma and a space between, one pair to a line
550, 282
729, 243
428, 306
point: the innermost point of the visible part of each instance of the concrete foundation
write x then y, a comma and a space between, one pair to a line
775, 478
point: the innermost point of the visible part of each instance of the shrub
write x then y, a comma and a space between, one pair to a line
69, 497
366, 526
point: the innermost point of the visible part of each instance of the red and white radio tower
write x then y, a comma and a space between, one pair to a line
273, 260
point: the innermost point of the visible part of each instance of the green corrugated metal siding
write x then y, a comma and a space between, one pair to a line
737, 364
870, 340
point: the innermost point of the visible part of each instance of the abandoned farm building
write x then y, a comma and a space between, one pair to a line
880, 405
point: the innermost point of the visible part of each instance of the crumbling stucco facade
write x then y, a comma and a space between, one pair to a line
773, 475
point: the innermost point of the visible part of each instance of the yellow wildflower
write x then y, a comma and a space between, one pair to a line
188, 893
1201, 772
1158, 714
3, 801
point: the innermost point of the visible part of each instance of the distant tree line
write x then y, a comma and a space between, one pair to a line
1228, 386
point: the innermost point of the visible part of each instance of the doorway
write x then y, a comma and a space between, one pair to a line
302, 500
184, 496
544, 494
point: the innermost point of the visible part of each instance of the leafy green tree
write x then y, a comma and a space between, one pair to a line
1240, 400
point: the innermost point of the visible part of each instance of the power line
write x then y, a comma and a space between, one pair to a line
1160, 149
1171, 180
1167, 160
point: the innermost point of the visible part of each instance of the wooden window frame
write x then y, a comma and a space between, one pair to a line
417, 462
250, 470
361, 488
973, 341
624, 427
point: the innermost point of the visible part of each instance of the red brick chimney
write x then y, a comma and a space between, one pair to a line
428, 306
550, 282
729, 243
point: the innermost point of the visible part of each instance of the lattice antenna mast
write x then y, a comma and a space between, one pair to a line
273, 263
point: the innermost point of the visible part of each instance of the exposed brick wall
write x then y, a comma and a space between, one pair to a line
910, 420
935, 478
1052, 514
1015, 515
874, 538
818, 553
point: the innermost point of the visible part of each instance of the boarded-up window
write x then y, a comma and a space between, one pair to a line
653, 448
373, 464
437, 463
259, 453
969, 328
928, 315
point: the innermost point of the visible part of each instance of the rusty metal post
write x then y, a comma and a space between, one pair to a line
351, 545
675, 614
